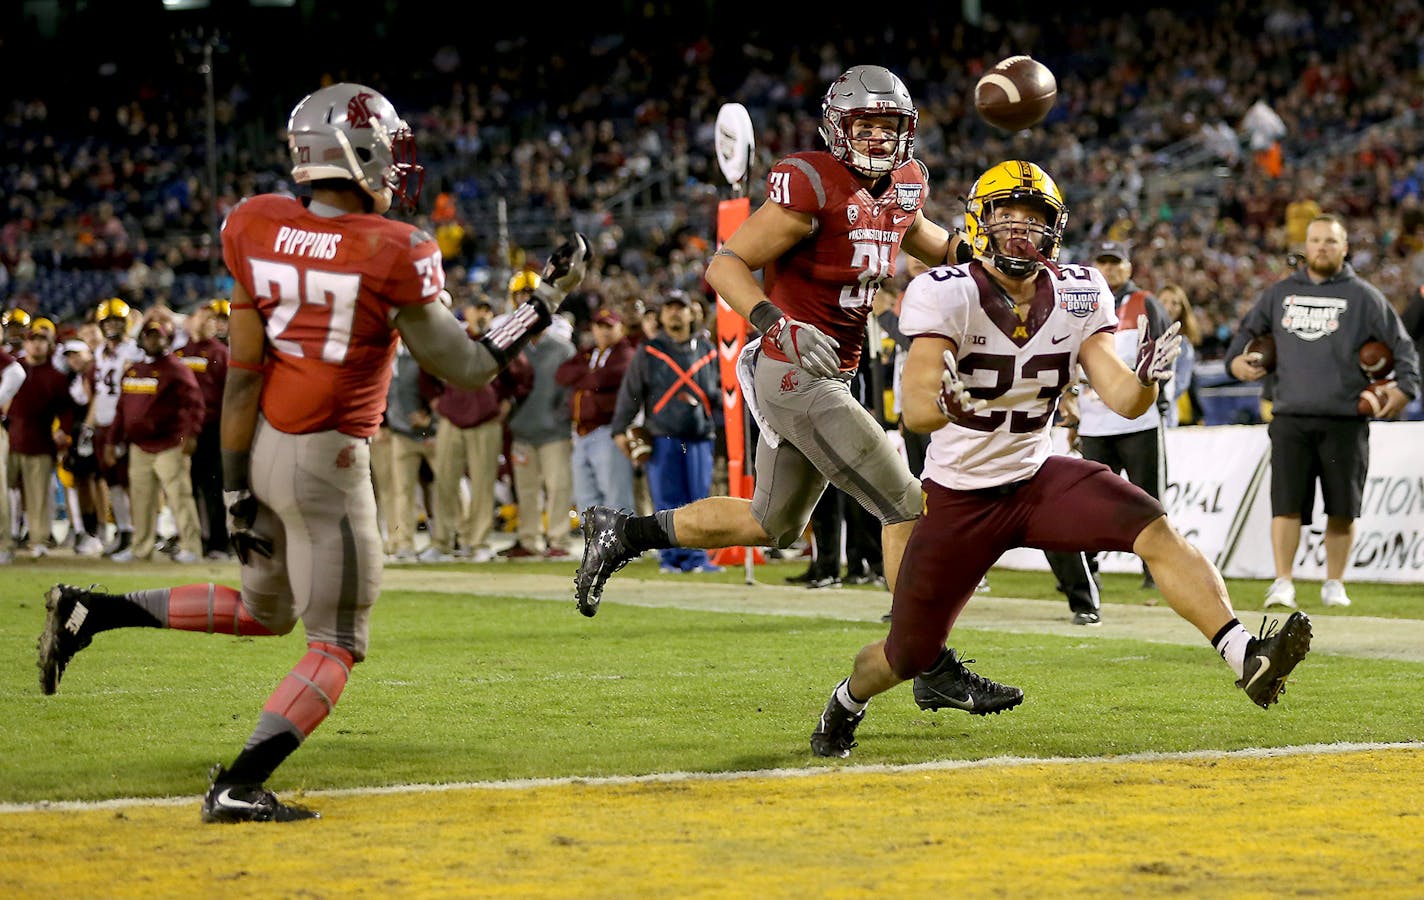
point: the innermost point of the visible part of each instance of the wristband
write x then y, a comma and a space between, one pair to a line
764, 315
965, 251
235, 467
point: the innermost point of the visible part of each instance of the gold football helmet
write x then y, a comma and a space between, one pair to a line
524, 281
113, 318
1015, 181
17, 317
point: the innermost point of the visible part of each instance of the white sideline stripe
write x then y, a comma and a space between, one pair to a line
947, 765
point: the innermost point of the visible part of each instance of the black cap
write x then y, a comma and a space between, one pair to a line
1114, 250
674, 297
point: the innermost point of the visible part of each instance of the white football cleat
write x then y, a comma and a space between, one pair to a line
1281, 594
1332, 593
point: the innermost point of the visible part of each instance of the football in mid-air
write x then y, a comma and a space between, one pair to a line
1016, 93
1262, 352
1373, 398
1376, 359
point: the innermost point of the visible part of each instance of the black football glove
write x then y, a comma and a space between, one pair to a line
563, 272
241, 519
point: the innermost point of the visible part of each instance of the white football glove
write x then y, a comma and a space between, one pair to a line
954, 400
805, 345
1155, 358
563, 272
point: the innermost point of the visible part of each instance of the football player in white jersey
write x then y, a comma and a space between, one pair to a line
114, 356
994, 343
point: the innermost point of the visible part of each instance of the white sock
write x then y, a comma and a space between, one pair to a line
123, 514
1233, 648
846, 700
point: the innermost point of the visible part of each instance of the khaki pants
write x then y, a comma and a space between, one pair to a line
406, 454
544, 484
4, 490
168, 471
383, 480
460, 451
35, 473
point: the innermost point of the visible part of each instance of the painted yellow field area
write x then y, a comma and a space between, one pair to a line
1327, 824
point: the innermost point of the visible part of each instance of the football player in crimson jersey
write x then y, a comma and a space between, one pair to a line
994, 344
828, 235
321, 289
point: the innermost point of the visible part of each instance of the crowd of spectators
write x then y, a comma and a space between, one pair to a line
1280, 104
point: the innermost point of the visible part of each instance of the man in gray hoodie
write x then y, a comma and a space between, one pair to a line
541, 453
1319, 318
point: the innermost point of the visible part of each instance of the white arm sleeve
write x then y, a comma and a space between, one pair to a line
10, 381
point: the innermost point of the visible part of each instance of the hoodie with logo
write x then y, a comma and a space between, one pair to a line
1318, 329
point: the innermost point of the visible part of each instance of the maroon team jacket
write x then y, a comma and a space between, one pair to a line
160, 404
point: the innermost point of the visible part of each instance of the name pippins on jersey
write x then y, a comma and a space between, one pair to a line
137, 385
1078, 303
310, 244
1311, 318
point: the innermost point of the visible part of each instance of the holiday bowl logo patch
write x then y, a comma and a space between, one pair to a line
1078, 303
908, 195
1311, 318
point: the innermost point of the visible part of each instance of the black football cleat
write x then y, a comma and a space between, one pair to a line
835, 732
949, 684
1272, 656
605, 551
65, 632
805, 577
227, 803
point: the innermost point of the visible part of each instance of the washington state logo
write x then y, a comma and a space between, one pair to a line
788, 383
358, 111
1311, 318
346, 457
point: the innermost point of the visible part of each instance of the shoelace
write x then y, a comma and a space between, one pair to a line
974, 678
1269, 627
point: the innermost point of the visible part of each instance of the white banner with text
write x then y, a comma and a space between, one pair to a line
1218, 495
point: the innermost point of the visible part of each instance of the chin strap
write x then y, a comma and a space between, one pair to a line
1029, 250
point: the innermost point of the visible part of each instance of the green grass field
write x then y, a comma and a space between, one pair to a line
480, 686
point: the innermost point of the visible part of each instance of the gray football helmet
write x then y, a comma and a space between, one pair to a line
868, 91
351, 132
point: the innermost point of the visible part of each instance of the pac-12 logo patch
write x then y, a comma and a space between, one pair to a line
1078, 303
852, 213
